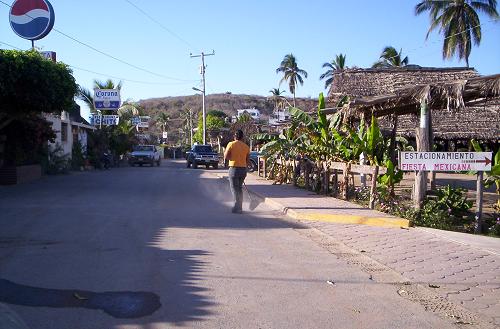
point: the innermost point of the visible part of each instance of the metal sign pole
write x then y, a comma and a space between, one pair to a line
478, 225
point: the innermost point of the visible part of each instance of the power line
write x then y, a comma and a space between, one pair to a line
161, 25
114, 77
11, 46
108, 55
130, 80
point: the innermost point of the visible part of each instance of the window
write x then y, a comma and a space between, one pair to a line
64, 132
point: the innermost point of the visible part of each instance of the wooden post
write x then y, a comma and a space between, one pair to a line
392, 147
478, 226
432, 174
362, 176
258, 165
346, 171
373, 189
422, 134
307, 172
326, 183
335, 183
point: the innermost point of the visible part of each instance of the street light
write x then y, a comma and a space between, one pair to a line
203, 114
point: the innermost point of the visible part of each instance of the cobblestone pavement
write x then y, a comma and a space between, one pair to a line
462, 274
459, 273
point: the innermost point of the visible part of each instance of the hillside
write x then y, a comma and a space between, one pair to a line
228, 103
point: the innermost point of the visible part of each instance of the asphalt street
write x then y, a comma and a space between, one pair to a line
157, 247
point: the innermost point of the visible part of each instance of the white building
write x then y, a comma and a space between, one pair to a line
68, 131
254, 113
279, 116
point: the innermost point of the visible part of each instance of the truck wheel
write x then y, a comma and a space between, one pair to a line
195, 164
207, 166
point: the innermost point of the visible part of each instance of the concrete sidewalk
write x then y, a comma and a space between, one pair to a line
453, 274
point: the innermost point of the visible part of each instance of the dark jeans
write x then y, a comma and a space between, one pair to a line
236, 178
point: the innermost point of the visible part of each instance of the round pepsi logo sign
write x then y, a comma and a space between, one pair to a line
32, 19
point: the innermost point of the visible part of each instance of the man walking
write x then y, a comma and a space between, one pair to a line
238, 154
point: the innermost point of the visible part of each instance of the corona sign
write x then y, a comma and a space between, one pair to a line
32, 19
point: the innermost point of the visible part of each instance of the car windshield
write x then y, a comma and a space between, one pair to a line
203, 148
148, 148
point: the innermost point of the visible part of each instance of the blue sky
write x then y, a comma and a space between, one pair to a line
250, 38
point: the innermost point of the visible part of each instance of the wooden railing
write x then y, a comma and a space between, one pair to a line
329, 174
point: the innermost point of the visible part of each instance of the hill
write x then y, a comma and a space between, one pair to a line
228, 103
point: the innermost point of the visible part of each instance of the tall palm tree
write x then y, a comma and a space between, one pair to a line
163, 120
187, 116
459, 23
291, 73
391, 58
277, 97
336, 64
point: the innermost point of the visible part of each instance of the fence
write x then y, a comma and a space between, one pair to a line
322, 176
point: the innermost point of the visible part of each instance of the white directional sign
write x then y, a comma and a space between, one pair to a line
107, 99
445, 161
104, 120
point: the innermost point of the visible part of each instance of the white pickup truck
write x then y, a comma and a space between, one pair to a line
144, 154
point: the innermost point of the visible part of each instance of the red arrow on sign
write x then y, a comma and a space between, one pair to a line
486, 161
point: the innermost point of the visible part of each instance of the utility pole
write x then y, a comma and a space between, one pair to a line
202, 55
190, 127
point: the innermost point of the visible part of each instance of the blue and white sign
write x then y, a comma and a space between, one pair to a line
135, 121
32, 19
104, 120
107, 99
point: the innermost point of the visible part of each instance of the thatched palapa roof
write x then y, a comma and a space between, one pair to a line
464, 105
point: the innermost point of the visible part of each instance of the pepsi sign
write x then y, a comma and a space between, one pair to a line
32, 19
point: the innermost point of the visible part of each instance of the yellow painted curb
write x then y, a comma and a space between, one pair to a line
350, 219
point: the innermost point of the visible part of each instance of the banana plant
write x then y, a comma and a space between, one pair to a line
391, 177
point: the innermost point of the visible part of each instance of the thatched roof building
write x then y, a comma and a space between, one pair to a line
468, 105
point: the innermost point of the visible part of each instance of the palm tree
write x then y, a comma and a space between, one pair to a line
337, 64
187, 122
163, 120
391, 58
277, 98
456, 19
291, 73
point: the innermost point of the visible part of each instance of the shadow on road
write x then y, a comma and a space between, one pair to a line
113, 230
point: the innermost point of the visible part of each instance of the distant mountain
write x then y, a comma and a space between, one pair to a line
228, 103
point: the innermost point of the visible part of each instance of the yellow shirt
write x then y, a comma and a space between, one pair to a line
237, 153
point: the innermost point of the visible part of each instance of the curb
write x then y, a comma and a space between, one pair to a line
389, 222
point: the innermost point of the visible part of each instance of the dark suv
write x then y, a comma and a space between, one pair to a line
202, 155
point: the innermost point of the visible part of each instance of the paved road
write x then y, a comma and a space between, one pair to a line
158, 248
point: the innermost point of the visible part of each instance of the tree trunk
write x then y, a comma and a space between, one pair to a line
423, 145
393, 138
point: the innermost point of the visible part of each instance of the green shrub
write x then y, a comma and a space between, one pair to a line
449, 210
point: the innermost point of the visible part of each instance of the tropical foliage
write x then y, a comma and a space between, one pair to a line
291, 73
390, 57
30, 85
458, 21
277, 97
337, 64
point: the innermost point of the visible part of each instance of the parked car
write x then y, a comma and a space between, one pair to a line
144, 154
254, 160
202, 155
